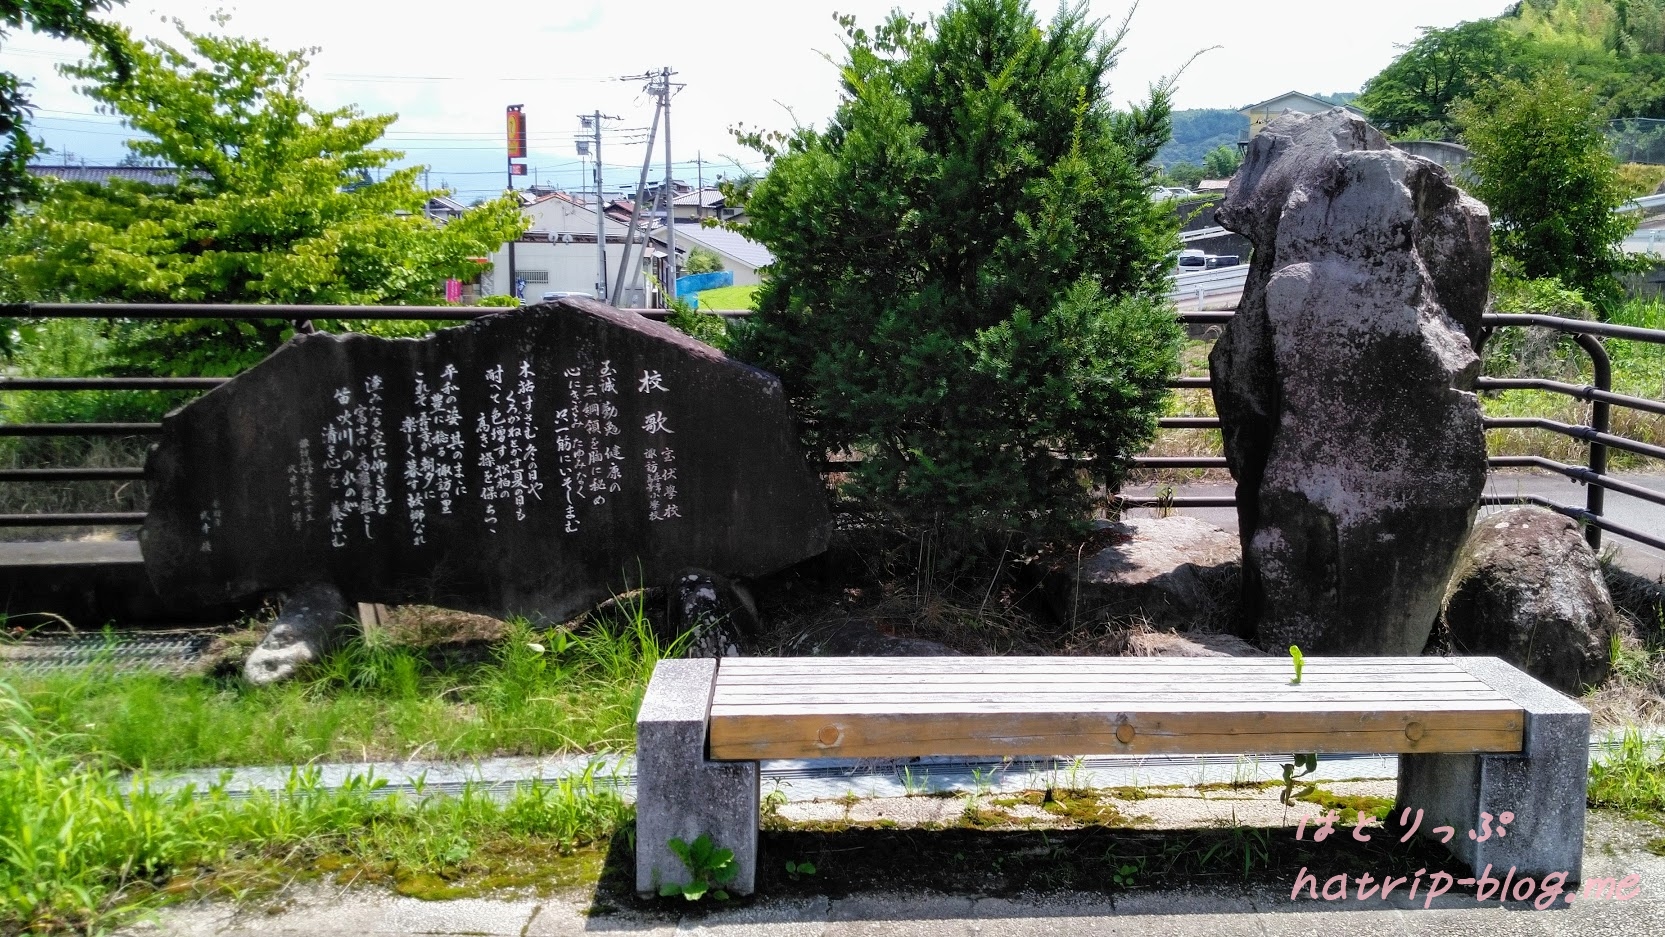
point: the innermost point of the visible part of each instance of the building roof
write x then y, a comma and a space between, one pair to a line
723, 241
153, 175
1295, 97
704, 198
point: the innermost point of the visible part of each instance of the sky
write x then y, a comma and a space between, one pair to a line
449, 70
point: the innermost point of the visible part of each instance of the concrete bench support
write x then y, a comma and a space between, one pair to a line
1543, 786
681, 794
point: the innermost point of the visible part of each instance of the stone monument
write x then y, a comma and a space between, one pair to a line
530, 462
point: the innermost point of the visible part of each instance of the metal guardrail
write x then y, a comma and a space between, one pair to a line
1587, 334
1199, 286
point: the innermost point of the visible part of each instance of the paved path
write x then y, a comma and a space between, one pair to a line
1613, 848
1622, 509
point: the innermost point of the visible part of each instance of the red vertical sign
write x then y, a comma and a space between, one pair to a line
517, 132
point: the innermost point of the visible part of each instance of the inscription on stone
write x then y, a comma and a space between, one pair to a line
530, 462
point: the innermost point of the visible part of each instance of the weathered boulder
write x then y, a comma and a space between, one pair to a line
1177, 571
1529, 589
713, 612
1345, 384
531, 462
308, 626
1190, 644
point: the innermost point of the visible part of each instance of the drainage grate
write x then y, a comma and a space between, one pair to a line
119, 651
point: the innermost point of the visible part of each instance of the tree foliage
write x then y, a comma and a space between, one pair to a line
275, 202
700, 261
969, 276
1541, 164
1222, 162
61, 19
1414, 95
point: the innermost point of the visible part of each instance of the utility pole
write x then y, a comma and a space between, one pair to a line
699, 194
636, 208
592, 122
670, 193
517, 148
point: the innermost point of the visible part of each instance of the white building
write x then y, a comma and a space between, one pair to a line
739, 254
558, 254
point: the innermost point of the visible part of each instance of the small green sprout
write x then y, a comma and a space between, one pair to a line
1300, 661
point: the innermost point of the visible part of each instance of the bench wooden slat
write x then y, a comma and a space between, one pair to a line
1101, 691
898, 707
915, 664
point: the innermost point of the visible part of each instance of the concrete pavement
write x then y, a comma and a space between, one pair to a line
1614, 847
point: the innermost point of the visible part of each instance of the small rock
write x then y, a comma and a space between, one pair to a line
1194, 644
715, 613
308, 626
1529, 589
1177, 571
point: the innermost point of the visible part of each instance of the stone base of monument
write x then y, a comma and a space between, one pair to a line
680, 794
1543, 786
308, 627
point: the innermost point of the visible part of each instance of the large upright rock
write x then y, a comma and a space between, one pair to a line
1344, 385
526, 463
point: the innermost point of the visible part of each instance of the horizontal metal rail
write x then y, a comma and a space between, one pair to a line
72, 520
1577, 514
1578, 472
1574, 326
1178, 462
1153, 501
242, 312
80, 429
1579, 391
1576, 432
111, 383
72, 474
1189, 422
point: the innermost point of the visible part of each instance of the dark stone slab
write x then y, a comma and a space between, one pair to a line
526, 463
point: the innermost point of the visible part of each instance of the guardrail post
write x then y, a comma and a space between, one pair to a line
1600, 417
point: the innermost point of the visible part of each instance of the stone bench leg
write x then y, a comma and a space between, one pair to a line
678, 792
1543, 786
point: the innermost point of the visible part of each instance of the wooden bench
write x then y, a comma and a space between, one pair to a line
1473, 734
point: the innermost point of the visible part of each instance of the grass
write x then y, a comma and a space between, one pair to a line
541, 692
78, 853
1631, 779
728, 298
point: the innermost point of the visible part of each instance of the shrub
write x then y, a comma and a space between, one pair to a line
700, 261
969, 271
1541, 163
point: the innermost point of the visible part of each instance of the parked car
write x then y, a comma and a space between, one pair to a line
1191, 260
565, 294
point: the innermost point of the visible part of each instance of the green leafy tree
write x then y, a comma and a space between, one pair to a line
1541, 164
61, 19
1414, 95
1187, 174
700, 261
969, 276
275, 202
1222, 162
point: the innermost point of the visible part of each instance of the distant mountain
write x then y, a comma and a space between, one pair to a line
1198, 131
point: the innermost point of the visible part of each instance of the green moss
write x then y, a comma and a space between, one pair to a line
1238, 786
1348, 807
